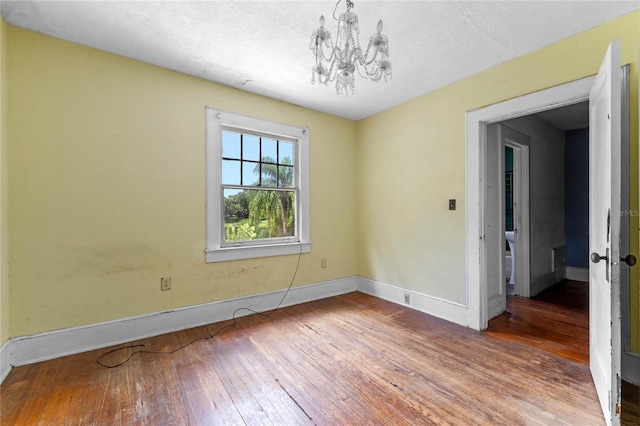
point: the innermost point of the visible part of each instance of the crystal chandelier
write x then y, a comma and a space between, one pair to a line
339, 61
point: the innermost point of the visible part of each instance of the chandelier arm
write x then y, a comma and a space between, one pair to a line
331, 57
372, 60
319, 50
365, 75
368, 74
363, 66
375, 55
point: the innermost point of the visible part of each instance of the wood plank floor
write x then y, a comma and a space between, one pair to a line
557, 321
349, 360
630, 404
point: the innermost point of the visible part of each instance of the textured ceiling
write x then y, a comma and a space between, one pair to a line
263, 46
569, 117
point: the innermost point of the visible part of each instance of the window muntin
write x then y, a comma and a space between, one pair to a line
257, 160
251, 160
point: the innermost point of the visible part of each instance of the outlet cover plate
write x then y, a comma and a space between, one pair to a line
165, 283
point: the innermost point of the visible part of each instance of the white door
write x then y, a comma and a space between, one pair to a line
520, 145
498, 136
494, 224
604, 233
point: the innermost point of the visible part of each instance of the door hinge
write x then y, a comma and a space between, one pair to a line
618, 409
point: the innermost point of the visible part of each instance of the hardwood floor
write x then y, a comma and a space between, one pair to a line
351, 359
630, 404
557, 321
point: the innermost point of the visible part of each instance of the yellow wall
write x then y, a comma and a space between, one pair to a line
108, 183
412, 160
4, 189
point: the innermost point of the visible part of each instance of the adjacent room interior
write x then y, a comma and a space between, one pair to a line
559, 175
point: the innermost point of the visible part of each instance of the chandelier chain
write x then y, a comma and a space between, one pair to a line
336, 8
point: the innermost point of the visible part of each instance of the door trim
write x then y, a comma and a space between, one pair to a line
476, 143
630, 359
521, 197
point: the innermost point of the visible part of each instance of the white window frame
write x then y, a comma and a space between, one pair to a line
216, 250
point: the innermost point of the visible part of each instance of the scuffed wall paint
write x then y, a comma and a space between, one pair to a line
108, 189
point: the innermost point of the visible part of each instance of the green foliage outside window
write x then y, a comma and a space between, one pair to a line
263, 213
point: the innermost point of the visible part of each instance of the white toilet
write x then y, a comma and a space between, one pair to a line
510, 237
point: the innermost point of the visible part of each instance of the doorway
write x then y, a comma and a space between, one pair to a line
478, 191
553, 313
477, 123
550, 165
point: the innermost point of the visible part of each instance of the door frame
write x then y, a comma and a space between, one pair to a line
476, 146
521, 219
630, 359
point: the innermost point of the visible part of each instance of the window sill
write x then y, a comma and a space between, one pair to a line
250, 252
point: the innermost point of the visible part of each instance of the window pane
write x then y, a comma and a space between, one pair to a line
236, 216
250, 173
258, 214
269, 175
250, 147
286, 177
269, 150
231, 145
230, 172
236, 205
286, 152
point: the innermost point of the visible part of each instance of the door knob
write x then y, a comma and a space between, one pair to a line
628, 259
595, 257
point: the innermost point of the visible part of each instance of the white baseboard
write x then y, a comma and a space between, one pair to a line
5, 365
631, 367
44, 346
577, 274
450, 311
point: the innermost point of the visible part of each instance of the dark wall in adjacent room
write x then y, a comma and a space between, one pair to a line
576, 181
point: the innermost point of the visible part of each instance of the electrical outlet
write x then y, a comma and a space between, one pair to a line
452, 204
407, 299
165, 283
323, 263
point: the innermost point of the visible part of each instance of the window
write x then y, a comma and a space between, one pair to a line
257, 188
